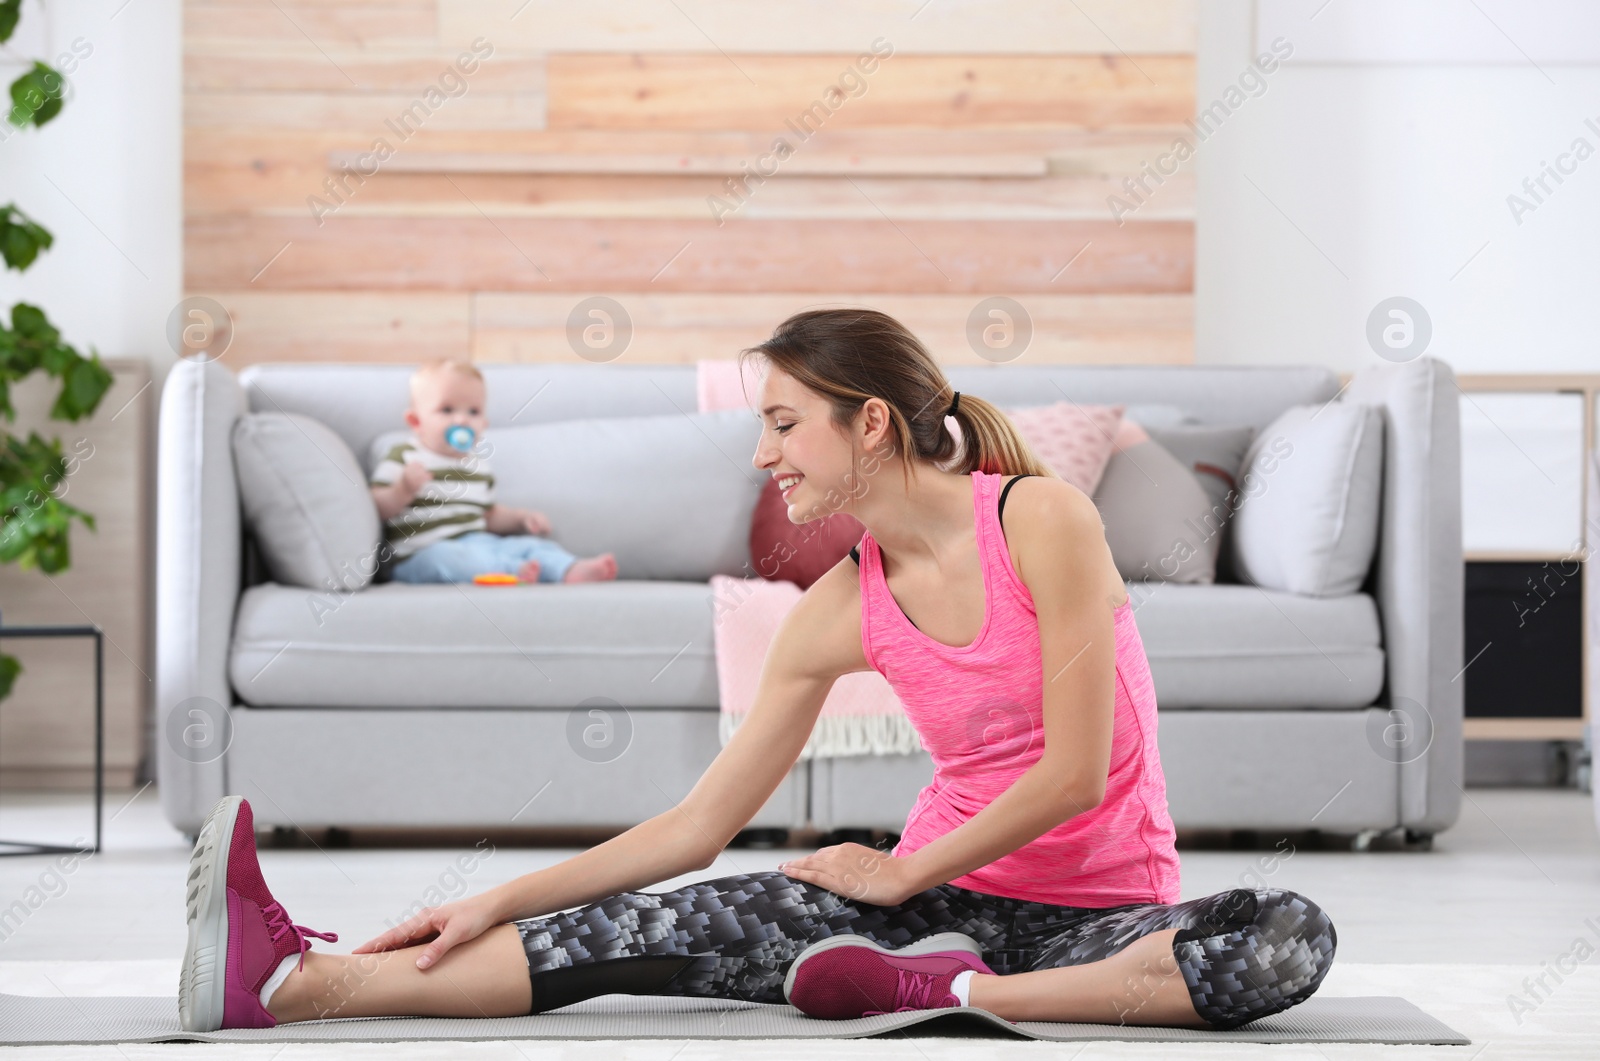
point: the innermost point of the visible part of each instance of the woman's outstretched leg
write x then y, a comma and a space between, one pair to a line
483, 977
247, 964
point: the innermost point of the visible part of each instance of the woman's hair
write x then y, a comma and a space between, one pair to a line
850, 355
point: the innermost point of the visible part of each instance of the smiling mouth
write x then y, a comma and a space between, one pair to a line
787, 483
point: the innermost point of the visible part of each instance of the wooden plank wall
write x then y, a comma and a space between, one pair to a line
641, 116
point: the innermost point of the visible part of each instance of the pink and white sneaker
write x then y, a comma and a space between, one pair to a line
238, 933
850, 976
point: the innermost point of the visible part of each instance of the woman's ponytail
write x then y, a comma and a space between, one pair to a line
991, 442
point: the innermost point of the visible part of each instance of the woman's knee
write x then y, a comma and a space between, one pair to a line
1255, 952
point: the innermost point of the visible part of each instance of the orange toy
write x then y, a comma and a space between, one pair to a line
495, 579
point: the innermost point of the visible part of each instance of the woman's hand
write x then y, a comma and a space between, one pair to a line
445, 926
864, 874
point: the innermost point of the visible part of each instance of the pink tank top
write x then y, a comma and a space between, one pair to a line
978, 710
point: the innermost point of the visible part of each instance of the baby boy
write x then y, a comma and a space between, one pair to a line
436, 496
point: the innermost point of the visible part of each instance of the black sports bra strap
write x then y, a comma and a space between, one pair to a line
1001, 508
855, 550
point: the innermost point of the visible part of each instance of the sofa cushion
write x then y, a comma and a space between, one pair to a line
1074, 441
305, 501
1155, 513
1216, 457
671, 496
1307, 521
1157, 416
799, 553
1232, 646
642, 644
649, 645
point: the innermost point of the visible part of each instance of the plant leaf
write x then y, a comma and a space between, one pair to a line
36, 96
10, 11
21, 238
9, 668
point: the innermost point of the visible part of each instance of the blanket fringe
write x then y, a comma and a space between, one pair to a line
835, 736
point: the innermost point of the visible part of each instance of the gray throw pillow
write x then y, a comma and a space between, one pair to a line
1307, 520
306, 502
1216, 456
671, 496
1154, 511
1154, 415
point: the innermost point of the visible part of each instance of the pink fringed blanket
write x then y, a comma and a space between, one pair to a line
862, 715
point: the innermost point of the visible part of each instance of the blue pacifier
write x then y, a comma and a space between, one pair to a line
460, 437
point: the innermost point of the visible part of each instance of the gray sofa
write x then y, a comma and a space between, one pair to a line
1274, 707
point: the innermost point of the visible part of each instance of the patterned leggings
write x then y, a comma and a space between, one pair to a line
1244, 953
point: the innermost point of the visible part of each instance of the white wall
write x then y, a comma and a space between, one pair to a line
1395, 164
105, 177
1395, 172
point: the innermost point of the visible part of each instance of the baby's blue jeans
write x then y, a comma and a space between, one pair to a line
482, 553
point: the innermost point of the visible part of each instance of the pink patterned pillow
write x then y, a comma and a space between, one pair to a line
1074, 440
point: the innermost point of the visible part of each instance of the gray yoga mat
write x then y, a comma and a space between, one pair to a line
35, 1021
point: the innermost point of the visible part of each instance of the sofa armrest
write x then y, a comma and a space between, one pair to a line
1420, 578
197, 586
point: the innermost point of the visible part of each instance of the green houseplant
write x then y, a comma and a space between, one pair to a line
34, 518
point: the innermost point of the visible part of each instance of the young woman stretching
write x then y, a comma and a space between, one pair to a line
1036, 876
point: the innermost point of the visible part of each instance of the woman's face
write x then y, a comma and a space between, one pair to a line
802, 449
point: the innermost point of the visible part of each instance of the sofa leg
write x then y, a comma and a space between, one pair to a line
1363, 840
1418, 840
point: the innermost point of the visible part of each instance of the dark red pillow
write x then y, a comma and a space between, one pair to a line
784, 551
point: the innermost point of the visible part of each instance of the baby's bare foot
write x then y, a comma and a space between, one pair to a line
529, 571
602, 568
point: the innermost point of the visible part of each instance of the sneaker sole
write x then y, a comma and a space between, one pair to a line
937, 944
202, 985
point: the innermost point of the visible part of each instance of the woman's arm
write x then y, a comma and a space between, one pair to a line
818, 640
1062, 556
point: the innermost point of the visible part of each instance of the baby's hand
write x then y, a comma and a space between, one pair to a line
536, 522
415, 476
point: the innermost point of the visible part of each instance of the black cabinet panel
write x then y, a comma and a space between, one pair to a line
1530, 615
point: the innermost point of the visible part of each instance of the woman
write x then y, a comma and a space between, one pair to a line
1036, 876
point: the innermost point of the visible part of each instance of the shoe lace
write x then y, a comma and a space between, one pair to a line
914, 990
279, 926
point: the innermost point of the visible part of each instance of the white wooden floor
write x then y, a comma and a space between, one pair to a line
1504, 896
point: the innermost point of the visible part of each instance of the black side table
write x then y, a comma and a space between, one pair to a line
23, 847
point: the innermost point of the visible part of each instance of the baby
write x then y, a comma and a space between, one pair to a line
436, 496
